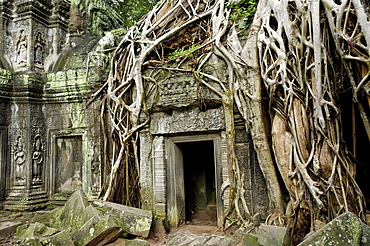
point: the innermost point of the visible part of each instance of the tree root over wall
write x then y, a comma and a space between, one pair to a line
301, 52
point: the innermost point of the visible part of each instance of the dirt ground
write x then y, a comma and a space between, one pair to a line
200, 223
8, 222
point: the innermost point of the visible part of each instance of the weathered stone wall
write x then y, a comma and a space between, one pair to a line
180, 90
183, 111
51, 60
254, 183
50, 138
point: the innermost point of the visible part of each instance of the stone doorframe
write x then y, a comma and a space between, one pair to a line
175, 185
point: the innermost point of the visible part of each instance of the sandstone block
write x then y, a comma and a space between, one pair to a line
136, 221
273, 235
346, 229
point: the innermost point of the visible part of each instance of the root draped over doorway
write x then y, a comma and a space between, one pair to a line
301, 54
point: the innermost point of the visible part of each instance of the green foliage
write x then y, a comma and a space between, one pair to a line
132, 11
243, 10
124, 234
181, 53
78, 243
50, 206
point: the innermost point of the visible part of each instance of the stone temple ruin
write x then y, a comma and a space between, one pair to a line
51, 139
184, 154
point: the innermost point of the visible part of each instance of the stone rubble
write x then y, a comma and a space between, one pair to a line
82, 223
346, 229
106, 223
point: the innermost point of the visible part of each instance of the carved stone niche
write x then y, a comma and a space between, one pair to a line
71, 168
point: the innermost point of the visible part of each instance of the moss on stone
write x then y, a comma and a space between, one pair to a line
345, 229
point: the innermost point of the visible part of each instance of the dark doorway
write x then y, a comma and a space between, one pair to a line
356, 139
199, 181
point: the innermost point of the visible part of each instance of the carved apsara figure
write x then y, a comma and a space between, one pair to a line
37, 159
22, 49
19, 160
39, 50
95, 171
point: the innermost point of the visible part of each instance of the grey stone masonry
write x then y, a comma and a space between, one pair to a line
50, 140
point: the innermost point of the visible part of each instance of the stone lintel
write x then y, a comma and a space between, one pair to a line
192, 120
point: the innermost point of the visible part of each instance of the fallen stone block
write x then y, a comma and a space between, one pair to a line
40, 234
108, 236
88, 225
273, 235
188, 238
74, 214
136, 221
346, 229
250, 240
247, 236
84, 222
96, 226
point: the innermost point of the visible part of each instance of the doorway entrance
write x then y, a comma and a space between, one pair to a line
199, 181
194, 177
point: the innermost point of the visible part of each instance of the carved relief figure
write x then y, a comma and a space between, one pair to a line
19, 160
95, 172
61, 44
37, 159
22, 49
39, 49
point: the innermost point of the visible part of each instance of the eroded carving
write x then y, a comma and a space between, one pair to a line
39, 49
37, 159
19, 160
187, 121
22, 49
95, 172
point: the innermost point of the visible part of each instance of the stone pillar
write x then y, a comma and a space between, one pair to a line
159, 166
27, 135
146, 170
225, 171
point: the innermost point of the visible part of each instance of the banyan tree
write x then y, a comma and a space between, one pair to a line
296, 71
